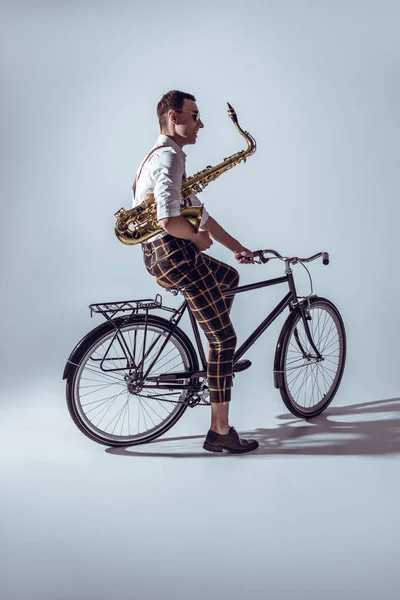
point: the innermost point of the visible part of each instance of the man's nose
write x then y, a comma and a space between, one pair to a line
201, 124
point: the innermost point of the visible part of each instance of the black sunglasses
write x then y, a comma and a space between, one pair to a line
195, 114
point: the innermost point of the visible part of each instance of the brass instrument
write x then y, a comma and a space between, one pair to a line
140, 223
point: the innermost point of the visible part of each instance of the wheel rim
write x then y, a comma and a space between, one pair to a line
102, 400
310, 383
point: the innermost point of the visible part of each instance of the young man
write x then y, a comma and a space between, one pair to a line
176, 258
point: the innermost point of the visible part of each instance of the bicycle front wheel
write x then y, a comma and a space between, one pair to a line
309, 384
103, 395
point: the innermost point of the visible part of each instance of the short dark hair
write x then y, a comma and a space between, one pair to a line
171, 100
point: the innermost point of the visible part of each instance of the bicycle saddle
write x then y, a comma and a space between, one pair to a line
170, 288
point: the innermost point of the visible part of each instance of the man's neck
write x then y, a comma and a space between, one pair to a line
179, 141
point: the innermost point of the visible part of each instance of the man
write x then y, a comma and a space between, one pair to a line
175, 257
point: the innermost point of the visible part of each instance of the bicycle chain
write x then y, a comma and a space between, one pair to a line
190, 403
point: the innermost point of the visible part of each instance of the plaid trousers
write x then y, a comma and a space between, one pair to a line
176, 262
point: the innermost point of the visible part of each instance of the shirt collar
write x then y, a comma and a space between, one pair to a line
167, 141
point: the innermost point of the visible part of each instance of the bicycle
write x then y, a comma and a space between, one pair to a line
131, 378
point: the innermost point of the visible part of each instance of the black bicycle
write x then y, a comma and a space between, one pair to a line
131, 378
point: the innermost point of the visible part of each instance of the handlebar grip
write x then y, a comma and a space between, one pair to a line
325, 258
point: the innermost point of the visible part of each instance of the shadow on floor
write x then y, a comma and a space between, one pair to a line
372, 428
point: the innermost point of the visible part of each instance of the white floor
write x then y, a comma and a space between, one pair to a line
314, 513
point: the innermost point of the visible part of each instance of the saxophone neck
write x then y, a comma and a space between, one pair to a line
196, 183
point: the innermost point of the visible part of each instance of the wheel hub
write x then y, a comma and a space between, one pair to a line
312, 357
134, 382
134, 388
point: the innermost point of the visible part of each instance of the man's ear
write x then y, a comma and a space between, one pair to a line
172, 115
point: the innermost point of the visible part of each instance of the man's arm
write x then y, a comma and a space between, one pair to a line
220, 235
242, 254
167, 193
181, 228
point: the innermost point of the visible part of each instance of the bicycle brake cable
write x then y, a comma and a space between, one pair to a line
309, 277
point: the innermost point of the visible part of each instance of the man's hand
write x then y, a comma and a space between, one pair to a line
181, 228
244, 256
202, 240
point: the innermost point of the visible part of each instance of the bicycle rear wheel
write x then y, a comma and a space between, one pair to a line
107, 405
308, 385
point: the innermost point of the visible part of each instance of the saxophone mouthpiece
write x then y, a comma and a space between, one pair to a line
232, 113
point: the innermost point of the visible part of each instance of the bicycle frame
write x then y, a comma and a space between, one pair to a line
290, 300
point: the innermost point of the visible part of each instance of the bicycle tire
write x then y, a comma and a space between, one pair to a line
291, 369
87, 348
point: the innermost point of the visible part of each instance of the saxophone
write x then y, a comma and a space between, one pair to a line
140, 223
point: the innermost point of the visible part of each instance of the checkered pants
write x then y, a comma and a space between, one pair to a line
176, 262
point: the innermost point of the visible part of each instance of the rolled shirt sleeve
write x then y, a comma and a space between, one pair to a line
167, 177
168, 184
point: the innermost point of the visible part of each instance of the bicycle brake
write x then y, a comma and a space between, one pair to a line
263, 259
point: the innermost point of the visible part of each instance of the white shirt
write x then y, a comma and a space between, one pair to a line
162, 175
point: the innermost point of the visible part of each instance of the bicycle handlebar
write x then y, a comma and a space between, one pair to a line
291, 260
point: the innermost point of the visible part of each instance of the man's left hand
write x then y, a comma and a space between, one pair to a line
244, 256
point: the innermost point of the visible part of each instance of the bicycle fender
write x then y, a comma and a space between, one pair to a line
278, 361
81, 346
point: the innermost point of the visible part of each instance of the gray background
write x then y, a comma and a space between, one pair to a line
316, 83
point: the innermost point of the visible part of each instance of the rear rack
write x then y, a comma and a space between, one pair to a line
110, 309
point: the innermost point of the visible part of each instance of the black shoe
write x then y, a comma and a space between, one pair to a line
231, 442
241, 365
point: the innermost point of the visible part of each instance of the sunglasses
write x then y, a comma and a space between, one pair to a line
195, 115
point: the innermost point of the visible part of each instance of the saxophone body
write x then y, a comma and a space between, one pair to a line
140, 223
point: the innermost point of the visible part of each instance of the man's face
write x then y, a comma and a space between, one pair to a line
187, 121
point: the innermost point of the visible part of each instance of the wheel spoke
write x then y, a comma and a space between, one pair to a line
309, 382
102, 400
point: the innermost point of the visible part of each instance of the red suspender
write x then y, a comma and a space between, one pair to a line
188, 201
147, 157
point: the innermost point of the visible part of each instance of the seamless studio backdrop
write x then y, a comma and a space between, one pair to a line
317, 85
314, 83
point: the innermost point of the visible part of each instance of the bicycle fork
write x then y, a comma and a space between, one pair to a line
305, 318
